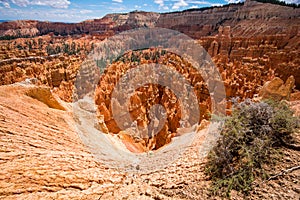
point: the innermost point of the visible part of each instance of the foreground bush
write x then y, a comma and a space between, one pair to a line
249, 140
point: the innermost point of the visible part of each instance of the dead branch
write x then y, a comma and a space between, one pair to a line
289, 146
283, 172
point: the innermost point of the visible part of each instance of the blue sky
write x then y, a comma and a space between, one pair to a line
76, 10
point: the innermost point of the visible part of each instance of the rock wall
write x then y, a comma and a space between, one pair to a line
19, 28
277, 90
55, 71
42, 157
111, 22
147, 96
28, 58
246, 19
246, 63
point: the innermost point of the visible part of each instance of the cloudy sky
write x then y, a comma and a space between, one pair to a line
76, 10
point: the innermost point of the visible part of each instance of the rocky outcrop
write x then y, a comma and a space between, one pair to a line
145, 97
28, 58
276, 89
246, 19
246, 63
49, 71
245, 57
43, 157
44, 95
111, 22
19, 28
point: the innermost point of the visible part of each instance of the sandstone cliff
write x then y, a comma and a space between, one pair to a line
246, 19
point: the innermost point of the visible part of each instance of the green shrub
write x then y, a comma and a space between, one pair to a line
250, 138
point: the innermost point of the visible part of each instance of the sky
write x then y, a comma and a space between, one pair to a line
76, 10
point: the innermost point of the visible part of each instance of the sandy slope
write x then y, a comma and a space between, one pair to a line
42, 157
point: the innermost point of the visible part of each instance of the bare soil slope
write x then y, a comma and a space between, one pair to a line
41, 157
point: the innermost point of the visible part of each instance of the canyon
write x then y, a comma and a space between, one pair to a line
254, 33
254, 46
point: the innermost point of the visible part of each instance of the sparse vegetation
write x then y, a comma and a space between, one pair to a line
12, 37
250, 139
282, 3
72, 49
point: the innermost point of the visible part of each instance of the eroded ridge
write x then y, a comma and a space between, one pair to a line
146, 96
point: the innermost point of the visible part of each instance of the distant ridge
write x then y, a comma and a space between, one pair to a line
205, 8
282, 3
249, 18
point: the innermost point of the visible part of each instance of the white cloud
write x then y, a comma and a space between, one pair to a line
61, 15
199, 2
179, 4
192, 7
51, 3
117, 8
22, 3
137, 7
234, 1
286, 1
118, 1
161, 3
85, 11
217, 4
293, 1
5, 3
